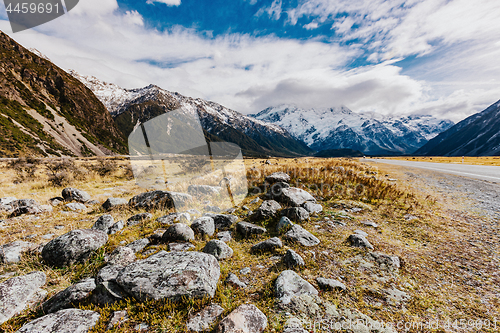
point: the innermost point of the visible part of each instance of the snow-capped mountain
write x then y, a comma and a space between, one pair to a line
130, 107
371, 133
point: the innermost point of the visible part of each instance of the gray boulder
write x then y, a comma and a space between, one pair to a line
73, 247
75, 206
234, 281
330, 284
268, 245
168, 219
117, 318
203, 320
63, 321
107, 290
204, 225
171, 275
302, 236
116, 227
25, 206
278, 177
180, 246
103, 223
246, 318
178, 232
138, 218
290, 284
296, 214
224, 221
218, 249
68, 297
249, 229
267, 209
73, 194
357, 240
159, 200
111, 203
283, 224
19, 293
12, 252
293, 259
225, 236
295, 196
138, 245
312, 207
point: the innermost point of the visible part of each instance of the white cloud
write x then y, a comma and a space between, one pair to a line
311, 26
454, 79
167, 2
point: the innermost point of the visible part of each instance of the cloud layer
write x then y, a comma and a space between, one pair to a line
434, 57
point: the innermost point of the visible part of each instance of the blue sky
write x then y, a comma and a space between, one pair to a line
394, 57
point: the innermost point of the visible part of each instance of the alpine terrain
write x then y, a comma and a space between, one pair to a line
370, 133
477, 135
130, 107
45, 111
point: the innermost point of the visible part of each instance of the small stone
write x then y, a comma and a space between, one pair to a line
59, 227
12, 252
245, 270
218, 249
295, 196
268, 245
312, 207
370, 224
330, 284
178, 232
290, 284
293, 259
117, 317
180, 246
168, 219
73, 194
204, 226
247, 229
234, 281
75, 206
138, 245
48, 236
224, 221
302, 236
141, 327
283, 224
116, 227
225, 236
111, 203
103, 223
138, 218
278, 177
267, 209
69, 296
121, 256
296, 214
246, 318
359, 241
254, 201
203, 320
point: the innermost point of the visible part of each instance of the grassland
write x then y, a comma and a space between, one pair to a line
447, 278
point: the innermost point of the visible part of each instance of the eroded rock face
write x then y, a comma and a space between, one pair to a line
72, 247
69, 296
247, 229
171, 275
12, 252
159, 200
302, 236
63, 321
290, 284
73, 194
19, 293
246, 318
295, 196
203, 320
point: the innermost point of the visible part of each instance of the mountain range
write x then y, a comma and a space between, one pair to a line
477, 135
370, 133
44, 111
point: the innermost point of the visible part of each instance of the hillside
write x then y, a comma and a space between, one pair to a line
370, 133
477, 135
45, 111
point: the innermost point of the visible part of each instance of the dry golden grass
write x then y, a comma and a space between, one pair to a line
480, 160
438, 269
